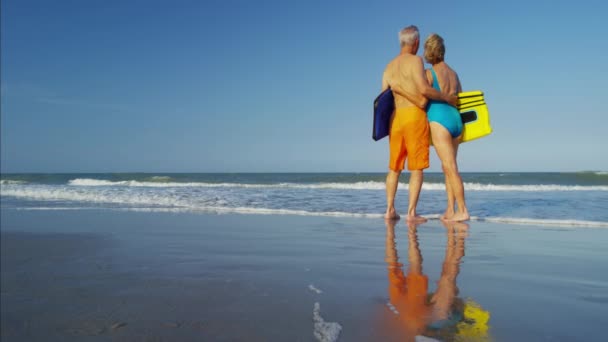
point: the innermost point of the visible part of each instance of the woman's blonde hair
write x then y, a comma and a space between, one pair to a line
434, 50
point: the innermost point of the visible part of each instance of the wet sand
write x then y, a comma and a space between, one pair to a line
94, 275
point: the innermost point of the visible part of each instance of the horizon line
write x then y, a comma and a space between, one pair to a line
276, 172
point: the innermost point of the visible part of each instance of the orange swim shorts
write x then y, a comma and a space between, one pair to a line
409, 138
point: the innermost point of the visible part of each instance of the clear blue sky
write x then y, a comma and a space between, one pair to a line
287, 86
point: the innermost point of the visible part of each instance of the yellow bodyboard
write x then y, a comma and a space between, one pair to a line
475, 116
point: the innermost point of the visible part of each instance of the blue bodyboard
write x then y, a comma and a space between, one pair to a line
384, 106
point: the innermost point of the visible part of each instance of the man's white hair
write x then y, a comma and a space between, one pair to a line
409, 35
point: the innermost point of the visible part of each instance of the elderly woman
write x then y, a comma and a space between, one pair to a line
446, 125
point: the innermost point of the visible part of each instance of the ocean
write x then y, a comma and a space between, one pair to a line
563, 199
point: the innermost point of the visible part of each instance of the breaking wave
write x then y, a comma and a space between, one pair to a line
370, 185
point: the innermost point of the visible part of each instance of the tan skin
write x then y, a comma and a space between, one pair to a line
405, 76
447, 147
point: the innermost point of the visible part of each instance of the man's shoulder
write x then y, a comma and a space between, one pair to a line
411, 58
390, 65
410, 62
392, 62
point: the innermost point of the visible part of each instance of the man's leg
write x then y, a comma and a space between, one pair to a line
416, 178
392, 181
417, 135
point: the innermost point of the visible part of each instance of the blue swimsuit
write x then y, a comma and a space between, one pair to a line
444, 114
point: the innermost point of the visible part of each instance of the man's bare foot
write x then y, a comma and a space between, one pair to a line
459, 217
415, 219
391, 214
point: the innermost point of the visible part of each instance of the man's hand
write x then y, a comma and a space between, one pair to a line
452, 100
415, 98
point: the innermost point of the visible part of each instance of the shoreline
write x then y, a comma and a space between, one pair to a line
519, 221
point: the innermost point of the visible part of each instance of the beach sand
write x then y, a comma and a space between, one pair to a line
92, 275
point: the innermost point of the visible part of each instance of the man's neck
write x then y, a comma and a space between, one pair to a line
407, 50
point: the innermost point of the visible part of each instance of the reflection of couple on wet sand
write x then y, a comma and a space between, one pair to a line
441, 314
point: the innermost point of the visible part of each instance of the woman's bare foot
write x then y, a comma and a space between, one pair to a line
447, 214
391, 214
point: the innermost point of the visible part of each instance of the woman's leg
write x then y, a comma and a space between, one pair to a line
449, 210
449, 192
462, 207
446, 151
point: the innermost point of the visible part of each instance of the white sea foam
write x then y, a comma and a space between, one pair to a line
55, 208
324, 331
82, 195
133, 183
312, 288
531, 188
11, 182
392, 308
421, 338
543, 222
152, 200
160, 178
370, 185
531, 221
158, 201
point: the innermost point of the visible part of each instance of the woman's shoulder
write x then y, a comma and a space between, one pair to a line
453, 76
450, 69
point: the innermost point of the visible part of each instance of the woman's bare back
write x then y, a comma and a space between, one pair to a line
447, 78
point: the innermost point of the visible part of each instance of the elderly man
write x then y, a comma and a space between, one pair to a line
409, 130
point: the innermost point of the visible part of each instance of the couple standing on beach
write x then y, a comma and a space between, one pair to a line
425, 104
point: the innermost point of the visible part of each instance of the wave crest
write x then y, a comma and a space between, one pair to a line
370, 185
11, 182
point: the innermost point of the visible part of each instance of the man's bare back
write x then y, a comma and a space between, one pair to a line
402, 75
